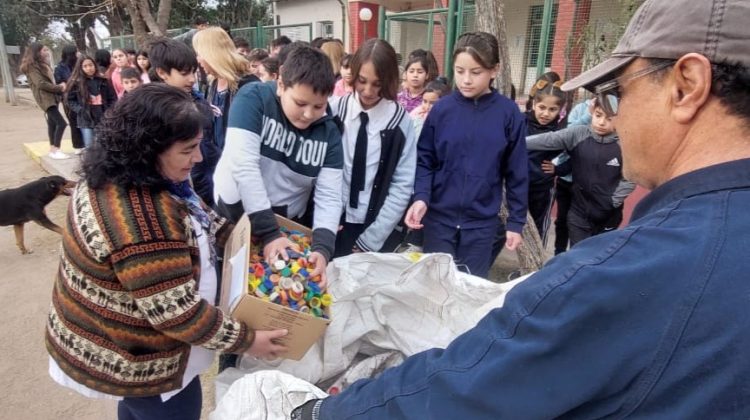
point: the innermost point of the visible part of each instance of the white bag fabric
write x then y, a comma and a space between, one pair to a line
406, 303
268, 394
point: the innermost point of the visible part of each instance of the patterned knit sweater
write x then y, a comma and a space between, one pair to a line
125, 305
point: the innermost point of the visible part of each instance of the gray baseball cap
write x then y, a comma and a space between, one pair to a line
717, 29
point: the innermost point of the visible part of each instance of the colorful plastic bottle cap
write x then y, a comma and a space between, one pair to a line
273, 296
283, 296
297, 287
259, 293
286, 272
275, 278
326, 299
304, 309
286, 283
304, 273
315, 302
279, 265
295, 267
317, 312
298, 278
268, 284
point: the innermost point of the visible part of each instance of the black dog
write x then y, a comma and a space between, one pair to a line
26, 204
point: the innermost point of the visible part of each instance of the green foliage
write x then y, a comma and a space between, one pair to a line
20, 25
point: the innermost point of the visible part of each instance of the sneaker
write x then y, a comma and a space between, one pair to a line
58, 155
78, 151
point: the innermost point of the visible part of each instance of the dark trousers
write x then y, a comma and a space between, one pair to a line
75, 133
55, 126
539, 208
184, 406
499, 242
581, 227
470, 248
563, 197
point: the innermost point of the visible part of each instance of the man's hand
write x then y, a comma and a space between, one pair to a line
277, 249
415, 214
513, 240
321, 264
265, 345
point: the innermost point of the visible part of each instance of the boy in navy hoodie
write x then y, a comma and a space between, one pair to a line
599, 189
280, 145
174, 63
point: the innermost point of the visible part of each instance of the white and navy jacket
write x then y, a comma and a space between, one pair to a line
388, 188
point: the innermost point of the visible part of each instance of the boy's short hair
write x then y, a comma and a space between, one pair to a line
168, 54
130, 73
241, 43
287, 49
271, 64
281, 41
257, 54
308, 66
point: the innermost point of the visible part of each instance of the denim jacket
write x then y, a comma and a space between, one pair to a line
644, 322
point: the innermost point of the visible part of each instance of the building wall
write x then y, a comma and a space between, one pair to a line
309, 11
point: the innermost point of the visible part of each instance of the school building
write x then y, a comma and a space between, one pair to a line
579, 33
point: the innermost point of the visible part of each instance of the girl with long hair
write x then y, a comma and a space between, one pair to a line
228, 69
89, 95
63, 70
36, 66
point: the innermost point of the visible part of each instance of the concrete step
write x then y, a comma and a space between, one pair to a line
66, 168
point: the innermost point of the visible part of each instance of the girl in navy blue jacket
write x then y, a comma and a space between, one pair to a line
471, 145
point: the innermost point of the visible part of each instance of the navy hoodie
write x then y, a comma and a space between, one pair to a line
469, 149
538, 180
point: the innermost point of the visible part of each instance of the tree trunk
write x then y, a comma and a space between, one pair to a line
490, 17
93, 45
162, 16
140, 32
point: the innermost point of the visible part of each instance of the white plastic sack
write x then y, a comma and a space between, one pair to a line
385, 302
269, 394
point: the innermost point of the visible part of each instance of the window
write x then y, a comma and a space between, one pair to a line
536, 16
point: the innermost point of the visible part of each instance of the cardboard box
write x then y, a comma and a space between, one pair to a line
304, 329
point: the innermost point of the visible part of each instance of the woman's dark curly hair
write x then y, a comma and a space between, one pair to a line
132, 134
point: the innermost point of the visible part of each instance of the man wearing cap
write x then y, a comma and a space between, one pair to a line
650, 321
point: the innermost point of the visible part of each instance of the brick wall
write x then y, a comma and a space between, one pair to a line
357, 27
572, 18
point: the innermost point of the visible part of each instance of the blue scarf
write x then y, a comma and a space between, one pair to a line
183, 192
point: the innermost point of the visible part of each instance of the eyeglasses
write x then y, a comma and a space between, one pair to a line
608, 94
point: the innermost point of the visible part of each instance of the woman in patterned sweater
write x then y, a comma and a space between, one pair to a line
132, 313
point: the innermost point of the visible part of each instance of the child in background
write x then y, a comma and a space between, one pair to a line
120, 61
143, 65
418, 74
599, 189
560, 166
254, 58
89, 95
268, 69
131, 56
280, 146
472, 145
344, 84
546, 103
175, 64
242, 46
379, 153
131, 79
435, 90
